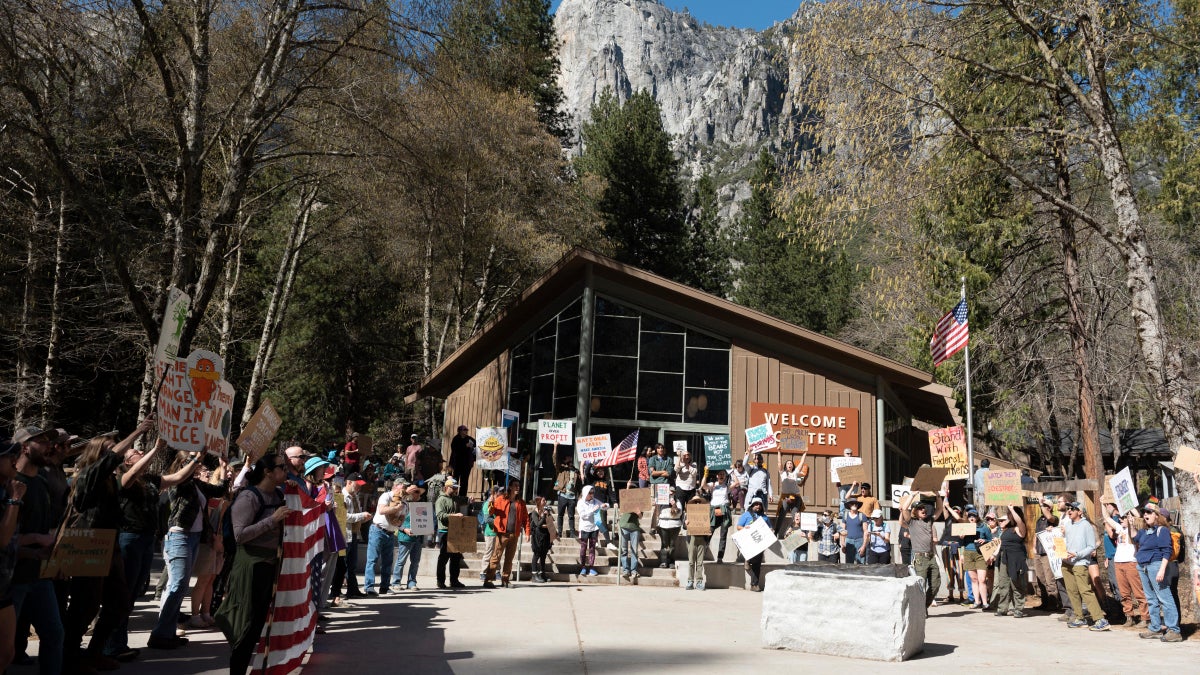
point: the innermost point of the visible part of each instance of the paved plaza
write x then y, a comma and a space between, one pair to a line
564, 628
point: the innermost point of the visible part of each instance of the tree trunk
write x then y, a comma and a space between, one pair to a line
54, 330
23, 397
484, 279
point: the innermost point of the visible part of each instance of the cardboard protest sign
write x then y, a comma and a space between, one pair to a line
555, 431
760, 438
636, 500
491, 444
836, 464
718, 455
990, 549
793, 440
218, 422
80, 552
853, 473
187, 393
365, 444
552, 528
258, 433
1047, 537
460, 534
420, 518
754, 538
1187, 459
1003, 488
963, 529
592, 448
1060, 547
698, 522
808, 521
174, 316
679, 447
928, 479
948, 449
1124, 491
662, 494
794, 541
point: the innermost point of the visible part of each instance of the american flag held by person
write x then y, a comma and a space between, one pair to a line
625, 451
950, 335
288, 635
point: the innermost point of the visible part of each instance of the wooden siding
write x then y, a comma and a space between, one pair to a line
769, 379
477, 403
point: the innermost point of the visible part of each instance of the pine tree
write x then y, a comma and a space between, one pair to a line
641, 202
707, 266
782, 273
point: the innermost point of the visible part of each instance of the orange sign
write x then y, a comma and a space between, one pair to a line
831, 431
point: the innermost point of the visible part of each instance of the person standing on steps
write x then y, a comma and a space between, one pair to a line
754, 511
670, 520
720, 510
588, 510
915, 517
566, 482
442, 509
697, 548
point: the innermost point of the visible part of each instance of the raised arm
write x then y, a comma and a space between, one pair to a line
1012, 513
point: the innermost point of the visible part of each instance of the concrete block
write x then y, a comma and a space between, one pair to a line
863, 612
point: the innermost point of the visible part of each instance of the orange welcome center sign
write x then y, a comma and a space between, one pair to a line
830, 431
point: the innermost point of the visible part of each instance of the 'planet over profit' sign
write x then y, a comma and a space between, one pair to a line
830, 430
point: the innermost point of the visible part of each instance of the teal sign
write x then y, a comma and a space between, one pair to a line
717, 453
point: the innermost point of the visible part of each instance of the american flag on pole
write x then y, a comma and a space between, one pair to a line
625, 451
950, 335
288, 635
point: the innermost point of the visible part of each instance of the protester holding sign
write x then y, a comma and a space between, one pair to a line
738, 479
185, 526
720, 517
1154, 551
589, 510
754, 512
630, 524
1124, 562
408, 544
566, 482
974, 564
685, 477
800, 553
443, 507
915, 516
540, 525
697, 547
1081, 552
758, 480
1012, 567
670, 520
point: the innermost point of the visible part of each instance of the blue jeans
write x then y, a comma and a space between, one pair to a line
842, 492
138, 552
629, 550
179, 552
799, 555
1158, 596
411, 552
850, 548
39, 597
381, 545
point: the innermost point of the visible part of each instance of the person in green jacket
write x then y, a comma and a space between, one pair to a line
489, 533
442, 508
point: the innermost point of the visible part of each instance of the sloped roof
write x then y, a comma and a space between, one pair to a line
926, 399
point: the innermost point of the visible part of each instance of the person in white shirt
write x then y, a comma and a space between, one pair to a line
381, 543
1124, 564
718, 508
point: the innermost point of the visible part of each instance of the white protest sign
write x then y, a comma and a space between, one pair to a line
174, 316
662, 494
754, 538
1124, 491
420, 517
592, 448
555, 431
679, 447
836, 463
514, 467
1046, 537
187, 396
808, 521
218, 422
491, 444
761, 437
899, 492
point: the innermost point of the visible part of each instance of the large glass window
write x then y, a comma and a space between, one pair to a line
645, 367
544, 369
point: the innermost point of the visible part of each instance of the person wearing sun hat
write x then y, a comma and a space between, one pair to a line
754, 512
1153, 556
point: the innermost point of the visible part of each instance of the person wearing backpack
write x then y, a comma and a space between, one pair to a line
1153, 556
257, 516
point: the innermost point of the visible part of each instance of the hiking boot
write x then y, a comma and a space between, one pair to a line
1101, 625
1002, 612
1142, 624
1067, 617
688, 587
1172, 636
1151, 635
488, 584
1130, 622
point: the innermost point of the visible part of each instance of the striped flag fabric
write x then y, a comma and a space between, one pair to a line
625, 451
292, 621
950, 335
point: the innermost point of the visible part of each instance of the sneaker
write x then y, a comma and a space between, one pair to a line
700, 586
688, 587
370, 593
625, 575
593, 573
1100, 625
396, 590
1017, 614
1145, 635
612, 547
413, 587
1067, 617
1079, 623
1172, 636
754, 588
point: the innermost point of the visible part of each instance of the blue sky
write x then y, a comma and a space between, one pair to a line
758, 14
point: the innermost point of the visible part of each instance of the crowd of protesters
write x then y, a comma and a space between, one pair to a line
218, 528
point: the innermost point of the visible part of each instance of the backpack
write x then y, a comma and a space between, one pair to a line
1176, 544
227, 517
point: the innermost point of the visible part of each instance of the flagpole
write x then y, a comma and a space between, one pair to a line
970, 422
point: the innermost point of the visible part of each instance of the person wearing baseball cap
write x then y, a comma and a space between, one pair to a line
1153, 558
358, 511
914, 515
442, 508
1081, 552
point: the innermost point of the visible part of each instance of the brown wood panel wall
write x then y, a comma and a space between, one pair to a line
767, 379
477, 403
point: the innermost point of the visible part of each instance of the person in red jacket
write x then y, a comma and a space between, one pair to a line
510, 517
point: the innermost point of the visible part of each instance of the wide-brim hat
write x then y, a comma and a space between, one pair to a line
313, 464
852, 502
